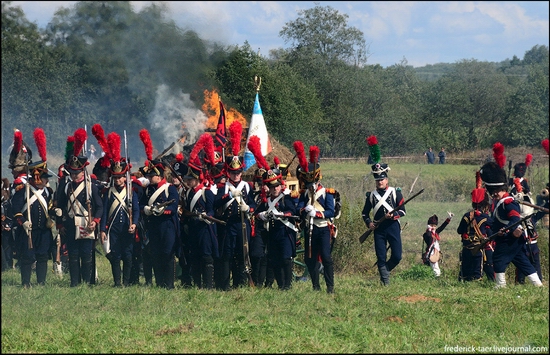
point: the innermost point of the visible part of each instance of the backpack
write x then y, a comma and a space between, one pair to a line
337, 201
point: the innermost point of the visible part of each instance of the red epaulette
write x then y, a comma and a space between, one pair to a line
19, 187
330, 190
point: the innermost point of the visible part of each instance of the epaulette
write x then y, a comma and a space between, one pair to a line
294, 193
397, 189
17, 181
19, 187
330, 190
367, 195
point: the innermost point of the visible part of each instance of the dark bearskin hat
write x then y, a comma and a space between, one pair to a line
492, 173
493, 176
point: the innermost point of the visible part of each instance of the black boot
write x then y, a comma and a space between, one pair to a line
225, 274
208, 272
26, 271
313, 270
287, 272
384, 275
170, 273
126, 271
115, 268
41, 269
74, 270
328, 272
86, 268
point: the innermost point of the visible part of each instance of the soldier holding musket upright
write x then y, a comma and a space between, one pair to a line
118, 224
160, 206
80, 210
236, 201
316, 207
31, 207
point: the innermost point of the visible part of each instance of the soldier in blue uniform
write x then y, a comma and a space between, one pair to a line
505, 211
279, 231
381, 202
160, 206
33, 240
120, 216
235, 201
316, 208
80, 209
203, 242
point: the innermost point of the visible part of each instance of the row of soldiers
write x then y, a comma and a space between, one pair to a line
223, 232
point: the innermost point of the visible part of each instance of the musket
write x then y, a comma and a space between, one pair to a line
128, 181
28, 191
285, 171
187, 213
506, 229
88, 197
246, 256
312, 201
544, 209
271, 215
365, 235
509, 168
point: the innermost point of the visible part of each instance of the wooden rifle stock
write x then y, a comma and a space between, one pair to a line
365, 235
477, 247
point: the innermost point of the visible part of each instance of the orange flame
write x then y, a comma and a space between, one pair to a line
211, 109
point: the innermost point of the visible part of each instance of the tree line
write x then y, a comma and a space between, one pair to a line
103, 62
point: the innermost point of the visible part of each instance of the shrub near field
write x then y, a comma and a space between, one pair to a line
415, 314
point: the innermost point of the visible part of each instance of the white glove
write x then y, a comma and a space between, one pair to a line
312, 213
451, 215
262, 216
278, 213
245, 207
309, 208
27, 226
234, 193
58, 212
157, 211
147, 210
202, 216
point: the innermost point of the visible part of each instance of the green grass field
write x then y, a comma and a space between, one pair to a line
415, 314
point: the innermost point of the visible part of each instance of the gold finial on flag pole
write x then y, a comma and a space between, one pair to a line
257, 82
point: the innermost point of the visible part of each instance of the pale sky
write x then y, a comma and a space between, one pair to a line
422, 32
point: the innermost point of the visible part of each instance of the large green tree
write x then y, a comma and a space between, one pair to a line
324, 31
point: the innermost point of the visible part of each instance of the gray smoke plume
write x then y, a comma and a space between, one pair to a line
176, 116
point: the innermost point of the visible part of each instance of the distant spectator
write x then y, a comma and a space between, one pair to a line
442, 156
430, 156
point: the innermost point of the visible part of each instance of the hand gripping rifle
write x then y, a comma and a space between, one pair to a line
365, 235
506, 229
129, 191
